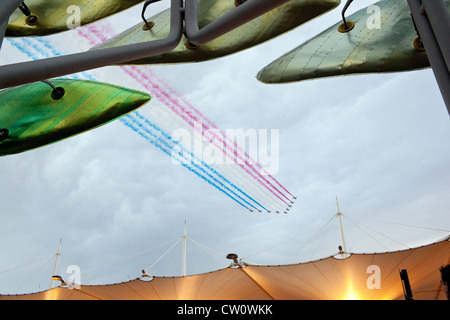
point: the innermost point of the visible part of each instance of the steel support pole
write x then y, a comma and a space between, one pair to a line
7, 7
246, 12
183, 253
439, 18
38, 70
435, 38
58, 254
2, 32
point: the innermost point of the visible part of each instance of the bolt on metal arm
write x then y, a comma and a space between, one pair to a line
146, 4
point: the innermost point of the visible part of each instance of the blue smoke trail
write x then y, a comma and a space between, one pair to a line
189, 157
154, 139
89, 76
167, 149
197, 160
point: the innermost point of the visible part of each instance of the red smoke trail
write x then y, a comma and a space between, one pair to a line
103, 31
213, 125
172, 103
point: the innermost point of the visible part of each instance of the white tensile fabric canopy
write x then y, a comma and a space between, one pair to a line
359, 276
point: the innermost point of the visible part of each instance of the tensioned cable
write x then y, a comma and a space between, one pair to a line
130, 257
447, 231
26, 264
314, 235
323, 238
172, 265
64, 258
215, 254
179, 239
290, 239
34, 274
193, 259
411, 226
350, 220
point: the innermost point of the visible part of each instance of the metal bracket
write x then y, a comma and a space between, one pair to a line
346, 26
31, 20
57, 92
147, 25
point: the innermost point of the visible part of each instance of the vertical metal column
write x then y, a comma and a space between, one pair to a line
432, 20
7, 7
183, 252
439, 18
2, 32
58, 254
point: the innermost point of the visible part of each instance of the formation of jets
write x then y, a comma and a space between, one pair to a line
289, 206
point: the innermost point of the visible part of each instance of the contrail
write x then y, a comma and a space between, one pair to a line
38, 47
103, 31
96, 34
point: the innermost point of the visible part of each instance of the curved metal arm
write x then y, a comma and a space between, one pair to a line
435, 41
347, 4
246, 12
38, 70
146, 4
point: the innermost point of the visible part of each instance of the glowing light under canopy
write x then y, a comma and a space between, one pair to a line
325, 279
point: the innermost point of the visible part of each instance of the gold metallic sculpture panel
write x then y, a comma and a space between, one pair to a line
387, 45
57, 15
33, 118
272, 24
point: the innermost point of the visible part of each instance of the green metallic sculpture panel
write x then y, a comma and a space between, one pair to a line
270, 25
58, 15
387, 45
33, 118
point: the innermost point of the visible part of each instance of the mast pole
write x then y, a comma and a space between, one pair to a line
339, 214
183, 253
56, 262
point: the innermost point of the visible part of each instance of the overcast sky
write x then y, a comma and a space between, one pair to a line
377, 142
